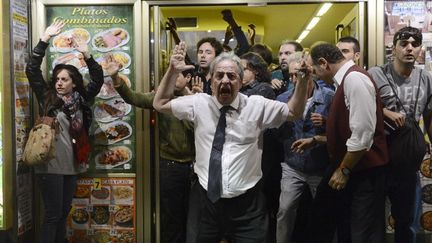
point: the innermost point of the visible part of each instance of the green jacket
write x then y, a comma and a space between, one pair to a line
176, 136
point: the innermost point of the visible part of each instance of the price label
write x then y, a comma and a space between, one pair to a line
89, 208
90, 231
97, 185
112, 208
127, 166
113, 232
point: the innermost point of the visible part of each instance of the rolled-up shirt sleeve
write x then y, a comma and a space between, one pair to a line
360, 98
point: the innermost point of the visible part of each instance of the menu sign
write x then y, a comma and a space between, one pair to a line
22, 116
108, 31
103, 210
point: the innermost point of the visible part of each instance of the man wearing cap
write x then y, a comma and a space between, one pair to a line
410, 84
228, 138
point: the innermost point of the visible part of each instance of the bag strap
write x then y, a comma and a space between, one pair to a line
391, 83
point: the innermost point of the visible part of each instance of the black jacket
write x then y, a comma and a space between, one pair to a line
39, 86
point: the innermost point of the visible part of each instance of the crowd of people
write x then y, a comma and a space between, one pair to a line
254, 153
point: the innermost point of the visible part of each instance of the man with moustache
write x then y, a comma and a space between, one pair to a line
228, 160
280, 78
207, 50
411, 84
357, 148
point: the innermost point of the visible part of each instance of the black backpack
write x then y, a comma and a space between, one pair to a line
407, 146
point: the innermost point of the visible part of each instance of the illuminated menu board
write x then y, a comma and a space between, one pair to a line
108, 31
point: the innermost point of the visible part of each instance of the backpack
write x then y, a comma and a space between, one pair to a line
407, 146
40, 146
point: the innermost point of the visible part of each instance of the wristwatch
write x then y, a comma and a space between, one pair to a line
345, 171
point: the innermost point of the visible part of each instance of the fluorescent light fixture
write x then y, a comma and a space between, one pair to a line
208, 31
324, 8
303, 34
312, 23
299, 40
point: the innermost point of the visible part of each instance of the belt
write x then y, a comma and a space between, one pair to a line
168, 161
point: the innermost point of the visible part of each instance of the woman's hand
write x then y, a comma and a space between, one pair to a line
52, 30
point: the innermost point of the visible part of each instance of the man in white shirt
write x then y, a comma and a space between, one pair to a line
239, 213
357, 147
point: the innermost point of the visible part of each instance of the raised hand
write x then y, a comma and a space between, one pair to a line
228, 35
197, 85
112, 68
227, 16
171, 24
177, 60
53, 30
251, 33
81, 46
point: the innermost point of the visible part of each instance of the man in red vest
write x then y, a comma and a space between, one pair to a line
357, 147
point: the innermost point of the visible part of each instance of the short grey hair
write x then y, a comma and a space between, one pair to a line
227, 56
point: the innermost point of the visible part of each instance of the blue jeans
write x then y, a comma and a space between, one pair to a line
57, 193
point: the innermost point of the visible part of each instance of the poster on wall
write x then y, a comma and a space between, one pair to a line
22, 115
103, 210
108, 31
418, 14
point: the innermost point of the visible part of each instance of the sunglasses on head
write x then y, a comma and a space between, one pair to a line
404, 36
220, 75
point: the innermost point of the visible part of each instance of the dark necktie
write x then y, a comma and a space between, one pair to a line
214, 185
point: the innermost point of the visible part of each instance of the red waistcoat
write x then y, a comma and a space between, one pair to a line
338, 130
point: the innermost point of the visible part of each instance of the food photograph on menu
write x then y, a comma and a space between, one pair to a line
108, 32
103, 212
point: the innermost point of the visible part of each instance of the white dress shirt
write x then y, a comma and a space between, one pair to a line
241, 155
360, 101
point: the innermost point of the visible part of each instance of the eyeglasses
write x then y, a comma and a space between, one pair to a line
220, 75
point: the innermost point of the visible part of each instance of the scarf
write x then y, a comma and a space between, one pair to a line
72, 109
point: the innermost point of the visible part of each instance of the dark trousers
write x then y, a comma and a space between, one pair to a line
363, 198
242, 219
57, 193
401, 189
174, 197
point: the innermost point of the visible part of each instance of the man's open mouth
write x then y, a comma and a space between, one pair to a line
224, 90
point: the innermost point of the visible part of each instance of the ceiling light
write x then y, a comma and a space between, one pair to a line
208, 31
312, 23
303, 34
324, 8
299, 40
